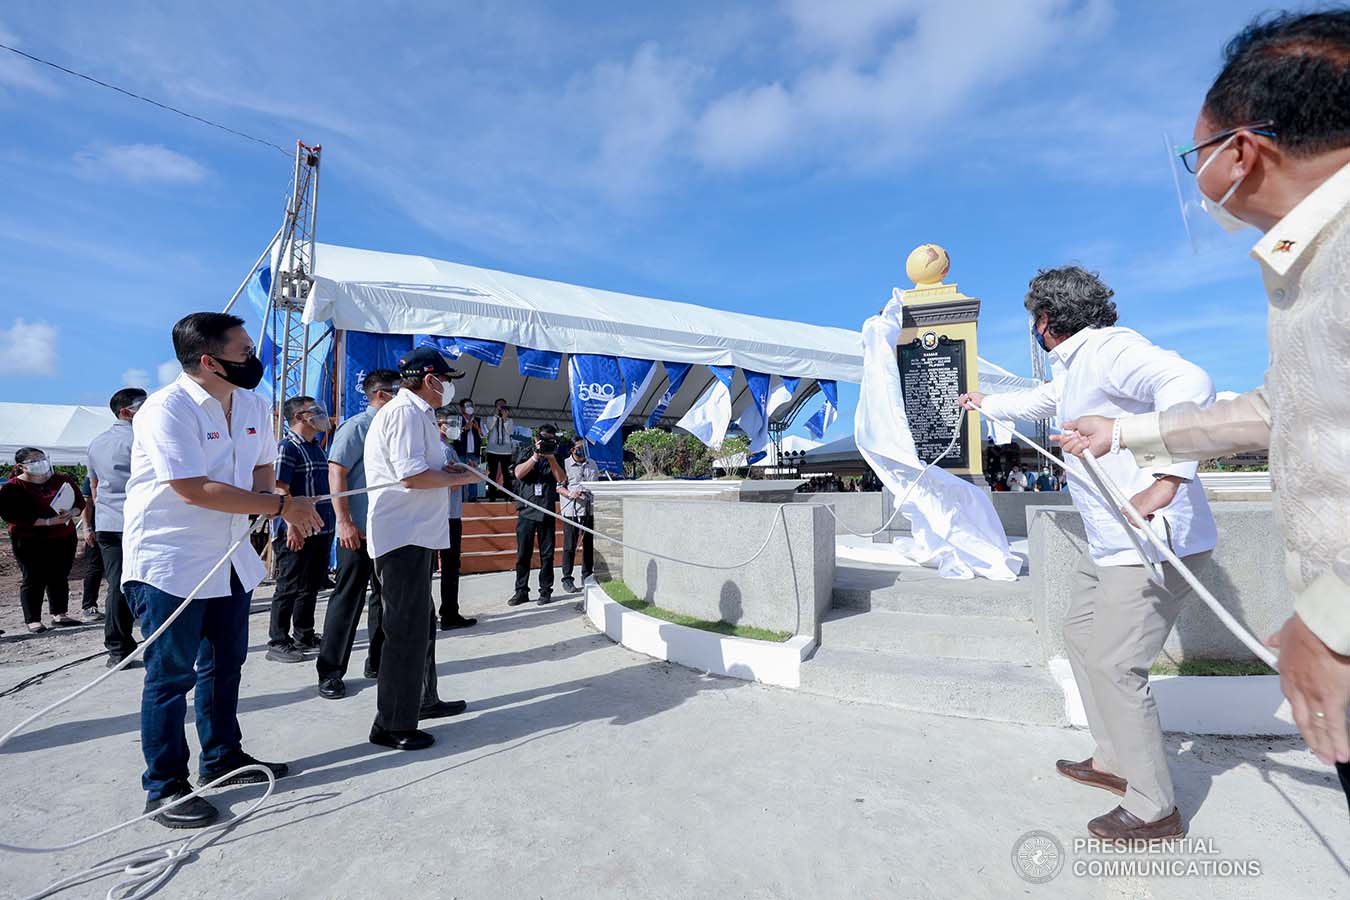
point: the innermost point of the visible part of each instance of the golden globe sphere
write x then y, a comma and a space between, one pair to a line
928, 264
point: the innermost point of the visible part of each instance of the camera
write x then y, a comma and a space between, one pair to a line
548, 444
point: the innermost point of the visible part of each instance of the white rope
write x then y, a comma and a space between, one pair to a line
1136, 524
148, 869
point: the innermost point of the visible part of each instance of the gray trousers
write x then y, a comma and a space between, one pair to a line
1114, 629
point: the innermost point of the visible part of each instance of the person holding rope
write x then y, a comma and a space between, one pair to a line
201, 464
1272, 151
1119, 617
404, 528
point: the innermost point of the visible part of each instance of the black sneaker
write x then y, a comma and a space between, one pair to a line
569, 585
545, 598
239, 759
307, 641
91, 614
134, 664
370, 671
518, 599
286, 653
195, 813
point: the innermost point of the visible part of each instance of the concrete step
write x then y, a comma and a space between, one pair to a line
920, 590
502, 541
975, 689
918, 634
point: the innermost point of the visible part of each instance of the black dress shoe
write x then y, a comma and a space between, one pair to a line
134, 664
370, 671
332, 689
401, 740
238, 760
518, 599
457, 622
195, 813
442, 709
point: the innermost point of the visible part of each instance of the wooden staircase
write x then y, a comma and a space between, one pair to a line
490, 538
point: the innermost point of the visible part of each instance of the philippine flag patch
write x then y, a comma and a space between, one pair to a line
250, 431
213, 435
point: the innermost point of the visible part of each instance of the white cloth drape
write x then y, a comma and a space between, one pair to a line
953, 523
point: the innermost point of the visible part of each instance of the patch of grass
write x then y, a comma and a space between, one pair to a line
1211, 667
620, 593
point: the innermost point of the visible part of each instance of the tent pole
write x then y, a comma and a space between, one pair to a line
253, 268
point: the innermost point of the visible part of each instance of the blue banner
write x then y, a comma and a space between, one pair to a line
755, 420
538, 363
489, 352
824, 418
365, 353
637, 377
596, 380
676, 372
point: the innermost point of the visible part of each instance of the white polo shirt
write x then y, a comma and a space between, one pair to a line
181, 432
403, 441
1113, 372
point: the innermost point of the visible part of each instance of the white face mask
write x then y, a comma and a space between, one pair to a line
1216, 209
468, 410
447, 393
38, 469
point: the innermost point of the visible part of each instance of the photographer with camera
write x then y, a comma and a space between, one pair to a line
538, 474
499, 447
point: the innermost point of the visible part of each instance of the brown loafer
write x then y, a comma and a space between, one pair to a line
1084, 773
1121, 825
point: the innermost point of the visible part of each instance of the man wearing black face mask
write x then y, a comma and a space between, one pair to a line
201, 464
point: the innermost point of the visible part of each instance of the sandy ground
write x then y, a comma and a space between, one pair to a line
584, 770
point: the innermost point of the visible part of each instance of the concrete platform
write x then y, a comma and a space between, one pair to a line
585, 770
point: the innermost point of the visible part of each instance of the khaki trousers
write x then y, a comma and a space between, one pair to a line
1115, 627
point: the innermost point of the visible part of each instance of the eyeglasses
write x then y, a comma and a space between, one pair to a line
1190, 153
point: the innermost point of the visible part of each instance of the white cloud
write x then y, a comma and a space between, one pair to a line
168, 371
19, 73
28, 348
138, 378
138, 163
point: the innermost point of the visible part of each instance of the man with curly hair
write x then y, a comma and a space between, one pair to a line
1120, 615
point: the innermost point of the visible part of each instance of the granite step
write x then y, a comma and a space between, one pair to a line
920, 634
920, 590
968, 688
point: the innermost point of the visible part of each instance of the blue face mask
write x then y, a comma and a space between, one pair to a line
1040, 338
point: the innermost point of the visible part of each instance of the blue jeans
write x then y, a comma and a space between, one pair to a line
205, 647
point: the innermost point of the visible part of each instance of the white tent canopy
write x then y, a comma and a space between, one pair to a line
62, 432
393, 293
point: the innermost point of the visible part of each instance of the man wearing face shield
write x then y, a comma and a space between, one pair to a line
1272, 152
201, 464
405, 526
301, 562
40, 507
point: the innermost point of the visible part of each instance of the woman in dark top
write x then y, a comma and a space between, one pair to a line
43, 539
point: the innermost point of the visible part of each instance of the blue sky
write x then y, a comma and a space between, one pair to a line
774, 158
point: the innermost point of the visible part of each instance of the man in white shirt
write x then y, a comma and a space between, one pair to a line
109, 469
1271, 150
404, 527
1118, 619
201, 464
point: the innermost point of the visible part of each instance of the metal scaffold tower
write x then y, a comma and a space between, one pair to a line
292, 280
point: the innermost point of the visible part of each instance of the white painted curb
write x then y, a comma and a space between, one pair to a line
1199, 704
769, 662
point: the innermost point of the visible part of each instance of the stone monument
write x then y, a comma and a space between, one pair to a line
938, 362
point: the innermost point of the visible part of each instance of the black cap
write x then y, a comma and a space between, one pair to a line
426, 361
